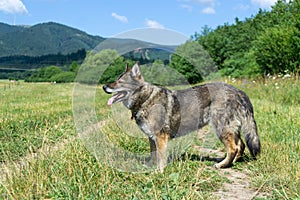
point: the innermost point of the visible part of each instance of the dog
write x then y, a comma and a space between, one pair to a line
163, 114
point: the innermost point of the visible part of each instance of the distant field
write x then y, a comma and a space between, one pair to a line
41, 158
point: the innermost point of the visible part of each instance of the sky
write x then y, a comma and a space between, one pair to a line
108, 18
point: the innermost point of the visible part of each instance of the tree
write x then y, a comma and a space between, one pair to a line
64, 77
114, 70
51, 71
95, 65
158, 73
74, 67
277, 49
192, 61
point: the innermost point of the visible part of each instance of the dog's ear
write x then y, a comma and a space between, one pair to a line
136, 72
127, 68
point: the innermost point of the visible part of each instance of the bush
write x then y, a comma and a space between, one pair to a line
277, 49
64, 77
241, 65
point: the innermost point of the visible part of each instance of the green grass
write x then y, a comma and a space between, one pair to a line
33, 116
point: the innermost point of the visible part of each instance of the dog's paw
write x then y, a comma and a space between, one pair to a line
217, 166
150, 163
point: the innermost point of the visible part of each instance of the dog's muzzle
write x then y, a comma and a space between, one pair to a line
105, 88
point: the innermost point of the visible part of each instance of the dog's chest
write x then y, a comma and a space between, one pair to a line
152, 121
158, 113
145, 126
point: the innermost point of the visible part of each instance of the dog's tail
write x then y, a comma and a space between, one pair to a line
249, 130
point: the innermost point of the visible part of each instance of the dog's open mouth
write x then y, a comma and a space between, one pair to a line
116, 98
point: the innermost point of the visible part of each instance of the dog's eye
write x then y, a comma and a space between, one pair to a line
119, 77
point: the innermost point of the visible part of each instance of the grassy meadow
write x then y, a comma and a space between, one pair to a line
42, 158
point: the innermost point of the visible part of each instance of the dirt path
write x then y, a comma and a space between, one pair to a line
239, 185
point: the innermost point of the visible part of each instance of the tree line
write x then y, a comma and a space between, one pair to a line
267, 43
54, 74
22, 67
190, 63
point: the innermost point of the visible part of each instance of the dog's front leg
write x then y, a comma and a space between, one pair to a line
162, 145
153, 152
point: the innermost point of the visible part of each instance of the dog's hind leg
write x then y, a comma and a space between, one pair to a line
162, 145
228, 139
240, 148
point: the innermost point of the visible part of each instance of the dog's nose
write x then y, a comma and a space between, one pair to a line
105, 89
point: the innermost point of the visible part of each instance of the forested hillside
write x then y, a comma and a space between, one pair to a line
266, 43
43, 39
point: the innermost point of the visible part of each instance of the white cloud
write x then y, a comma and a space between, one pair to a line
153, 24
13, 6
119, 17
187, 7
200, 2
209, 10
204, 2
242, 7
208, 6
264, 3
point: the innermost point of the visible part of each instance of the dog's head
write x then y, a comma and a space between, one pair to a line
125, 84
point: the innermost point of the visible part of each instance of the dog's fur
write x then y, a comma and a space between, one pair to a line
163, 114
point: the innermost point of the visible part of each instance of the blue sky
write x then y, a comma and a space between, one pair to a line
110, 17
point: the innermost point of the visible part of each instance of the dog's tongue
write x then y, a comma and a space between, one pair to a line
111, 100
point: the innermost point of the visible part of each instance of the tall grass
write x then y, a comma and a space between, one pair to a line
37, 115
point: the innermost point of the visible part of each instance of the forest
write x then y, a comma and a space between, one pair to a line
267, 43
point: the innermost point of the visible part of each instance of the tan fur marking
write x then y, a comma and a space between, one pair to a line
240, 149
231, 148
162, 145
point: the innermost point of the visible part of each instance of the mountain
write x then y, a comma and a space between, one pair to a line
25, 49
137, 49
43, 39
